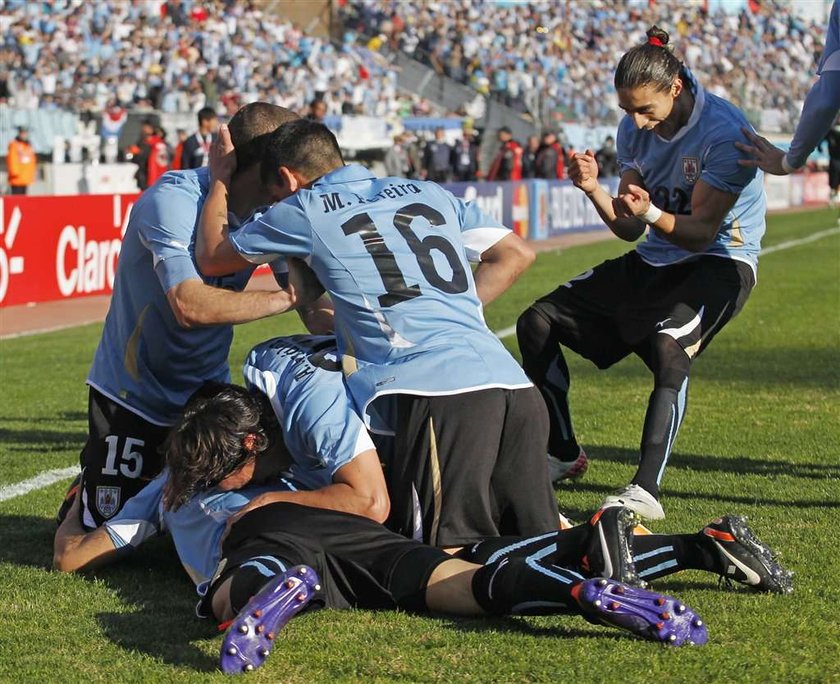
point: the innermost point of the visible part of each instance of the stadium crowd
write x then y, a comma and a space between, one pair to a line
555, 59
181, 56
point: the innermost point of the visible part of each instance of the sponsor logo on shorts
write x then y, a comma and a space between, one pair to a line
691, 169
107, 500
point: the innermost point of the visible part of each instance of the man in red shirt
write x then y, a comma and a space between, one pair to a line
507, 165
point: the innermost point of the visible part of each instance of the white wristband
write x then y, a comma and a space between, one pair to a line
652, 214
786, 167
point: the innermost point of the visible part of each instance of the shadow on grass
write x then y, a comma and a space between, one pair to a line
515, 625
162, 621
704, 463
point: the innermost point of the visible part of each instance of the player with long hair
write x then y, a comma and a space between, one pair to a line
704, 214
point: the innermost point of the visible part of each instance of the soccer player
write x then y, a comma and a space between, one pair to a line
818, 113
224, 452
420, 363
665, 300
168, 329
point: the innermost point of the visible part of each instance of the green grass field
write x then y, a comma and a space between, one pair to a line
761, 438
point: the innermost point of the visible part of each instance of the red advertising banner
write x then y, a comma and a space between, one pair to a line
54, 248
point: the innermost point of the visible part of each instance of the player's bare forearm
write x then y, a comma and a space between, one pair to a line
335, 497
74, 548
319, 316
696, 231
501, 266
214, 252
625, 227
196, 304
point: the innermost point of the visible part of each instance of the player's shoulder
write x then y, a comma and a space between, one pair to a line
721, 121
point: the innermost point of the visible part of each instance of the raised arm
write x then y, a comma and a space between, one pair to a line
695, 231
583, 172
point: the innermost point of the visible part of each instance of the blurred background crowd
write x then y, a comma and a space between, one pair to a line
550, 63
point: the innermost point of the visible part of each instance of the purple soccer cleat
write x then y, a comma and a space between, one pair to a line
645, 613
250, 637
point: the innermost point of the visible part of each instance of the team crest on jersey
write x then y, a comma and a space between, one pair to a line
691, 169
107, 500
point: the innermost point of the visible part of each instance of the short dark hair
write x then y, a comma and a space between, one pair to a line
251, 127
206, 114
208, 443
305, 146
651, 63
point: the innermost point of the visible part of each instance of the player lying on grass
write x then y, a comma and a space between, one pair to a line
228, 455
664, 301
168, 329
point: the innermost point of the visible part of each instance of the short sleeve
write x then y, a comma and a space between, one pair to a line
338, 436
166, 224
140, 518
722, 171
479, 231
283, 230
623, 147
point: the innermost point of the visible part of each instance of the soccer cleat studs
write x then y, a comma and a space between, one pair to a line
639, 611
250, 637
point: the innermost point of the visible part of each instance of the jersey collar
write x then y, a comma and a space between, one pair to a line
345, 174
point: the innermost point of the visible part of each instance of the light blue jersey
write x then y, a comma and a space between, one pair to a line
302, 379
394, 255
823, 101
301, 376
702, 150
145, 360
196, 527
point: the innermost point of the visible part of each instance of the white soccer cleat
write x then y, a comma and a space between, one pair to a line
637, 499
567, 470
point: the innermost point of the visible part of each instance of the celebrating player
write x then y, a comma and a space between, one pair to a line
168, 329
667, 299
419, 359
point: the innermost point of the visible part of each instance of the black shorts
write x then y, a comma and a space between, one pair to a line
615, 309
119, 458
361, 564
469, 466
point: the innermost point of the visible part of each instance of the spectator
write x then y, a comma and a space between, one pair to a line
397, 160
160, 156
437, 158
551, 160
141, 152
318, 110
607, 159
20, 162
179, 148
196, 150
529, 157
507, 164
465, 157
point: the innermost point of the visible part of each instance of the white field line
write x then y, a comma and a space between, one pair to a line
55, 328
45, 479
49, 477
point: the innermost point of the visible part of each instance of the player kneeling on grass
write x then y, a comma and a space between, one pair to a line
664, 301
280, 557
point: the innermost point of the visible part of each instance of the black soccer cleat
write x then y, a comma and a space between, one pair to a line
744, 558
608, 547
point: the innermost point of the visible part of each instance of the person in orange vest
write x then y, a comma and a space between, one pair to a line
20, 162
507, 165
